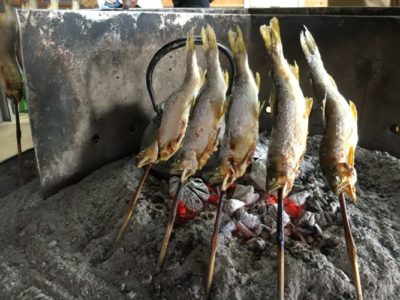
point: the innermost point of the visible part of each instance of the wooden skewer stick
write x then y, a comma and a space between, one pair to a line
18, 134
131, 207
170, 226
280, 235
351, 246
214, 244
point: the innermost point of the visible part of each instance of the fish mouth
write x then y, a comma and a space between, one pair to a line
349, 190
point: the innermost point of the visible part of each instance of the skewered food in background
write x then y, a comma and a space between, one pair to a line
290, 111
339, 141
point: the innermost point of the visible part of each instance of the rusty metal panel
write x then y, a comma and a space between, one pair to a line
86, 76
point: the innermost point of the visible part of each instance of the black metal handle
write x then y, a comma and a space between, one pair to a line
176, 44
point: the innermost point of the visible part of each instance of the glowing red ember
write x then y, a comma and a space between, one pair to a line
184, 214
289, 206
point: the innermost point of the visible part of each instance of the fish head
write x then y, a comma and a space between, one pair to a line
186, 165
283, 181
342, 178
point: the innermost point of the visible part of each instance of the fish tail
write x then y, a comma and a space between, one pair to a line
241, 47
232, 41
272, 37
236, 41
211, 37
190, 40
204, 39
309, 46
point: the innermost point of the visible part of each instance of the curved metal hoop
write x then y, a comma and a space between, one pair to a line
176, 44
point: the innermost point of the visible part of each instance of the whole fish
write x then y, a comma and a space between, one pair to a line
10, 71
241, 132
290, 111
201, 138
340, 136
176, 112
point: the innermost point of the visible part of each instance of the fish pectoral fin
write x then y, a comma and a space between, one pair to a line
261, 106
351, 157
333, 81
295, 70
258, 80
226, 78
353, 109
309, 104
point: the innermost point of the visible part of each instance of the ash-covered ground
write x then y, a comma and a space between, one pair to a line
55, 248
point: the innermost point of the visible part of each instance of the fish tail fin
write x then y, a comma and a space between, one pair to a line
232, 41
236, 41
241, 47
211, 37
204, 39
308, 44
190, 40
272, 37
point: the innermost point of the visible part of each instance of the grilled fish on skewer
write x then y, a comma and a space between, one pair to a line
10, 70
172, 128
201, 138
338, 142
290, 111
176, 112
241, 133
340, 117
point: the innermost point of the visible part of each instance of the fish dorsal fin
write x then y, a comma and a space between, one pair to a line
353, 109
226, 78
333, 81
224, 108
309, 103
295, 70
258, 80
351, 157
